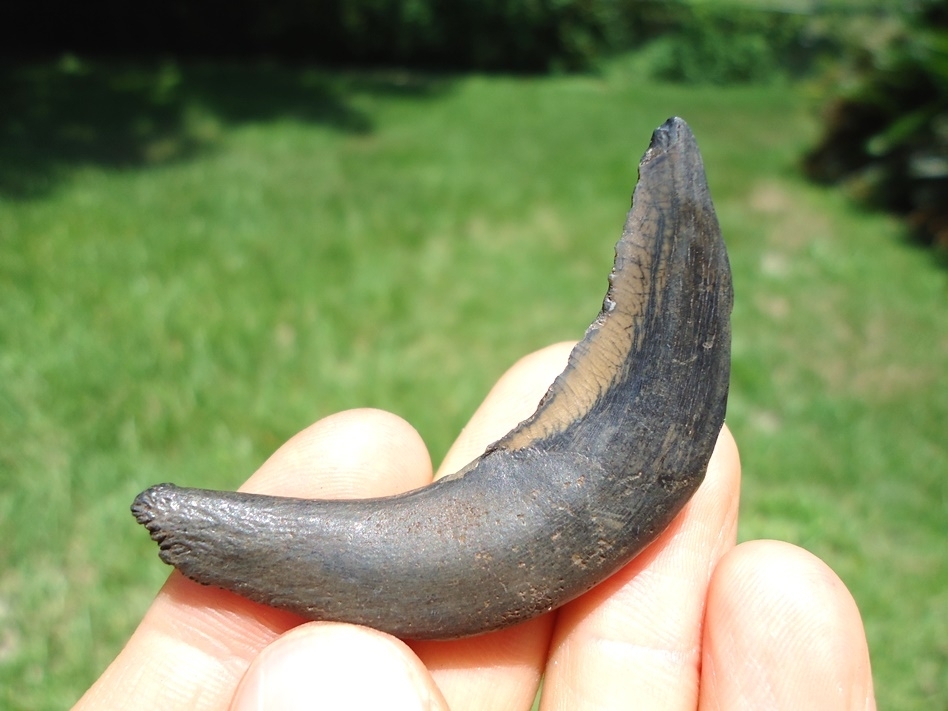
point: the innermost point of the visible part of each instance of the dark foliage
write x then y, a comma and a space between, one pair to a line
886, 137
718, 42
722, 43
526, 35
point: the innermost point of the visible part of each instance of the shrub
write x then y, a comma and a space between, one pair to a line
532, 35
885, 130
726, 44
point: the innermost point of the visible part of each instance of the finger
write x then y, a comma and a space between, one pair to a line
499, 670
349, 455
195, 643
512, 399
638, 635
337, 666
782, 632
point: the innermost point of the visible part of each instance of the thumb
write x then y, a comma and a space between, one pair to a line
330, 665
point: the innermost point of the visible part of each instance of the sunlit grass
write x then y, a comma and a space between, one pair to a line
397, 241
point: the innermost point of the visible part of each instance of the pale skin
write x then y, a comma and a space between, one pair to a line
695, 622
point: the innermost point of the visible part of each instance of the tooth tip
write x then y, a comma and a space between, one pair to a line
674, 130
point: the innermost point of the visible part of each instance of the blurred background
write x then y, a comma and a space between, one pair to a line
221, 222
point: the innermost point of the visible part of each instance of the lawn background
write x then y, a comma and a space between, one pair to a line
197, 261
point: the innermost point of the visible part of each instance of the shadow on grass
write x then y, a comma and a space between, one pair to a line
55, 116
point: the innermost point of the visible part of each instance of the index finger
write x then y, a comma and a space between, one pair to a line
195, 643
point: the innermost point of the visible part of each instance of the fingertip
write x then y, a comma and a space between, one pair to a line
783, 631
333, 665
350, 454
726, 455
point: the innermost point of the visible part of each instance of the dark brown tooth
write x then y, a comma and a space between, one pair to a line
617, 446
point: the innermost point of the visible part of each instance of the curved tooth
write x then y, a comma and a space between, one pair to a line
616, 447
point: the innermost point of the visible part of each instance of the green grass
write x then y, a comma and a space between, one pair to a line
198, 261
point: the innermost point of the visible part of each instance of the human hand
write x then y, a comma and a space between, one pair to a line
693, 622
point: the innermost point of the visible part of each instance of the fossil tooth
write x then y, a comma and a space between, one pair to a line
615, 449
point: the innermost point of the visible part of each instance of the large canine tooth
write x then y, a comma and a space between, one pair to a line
615, 449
